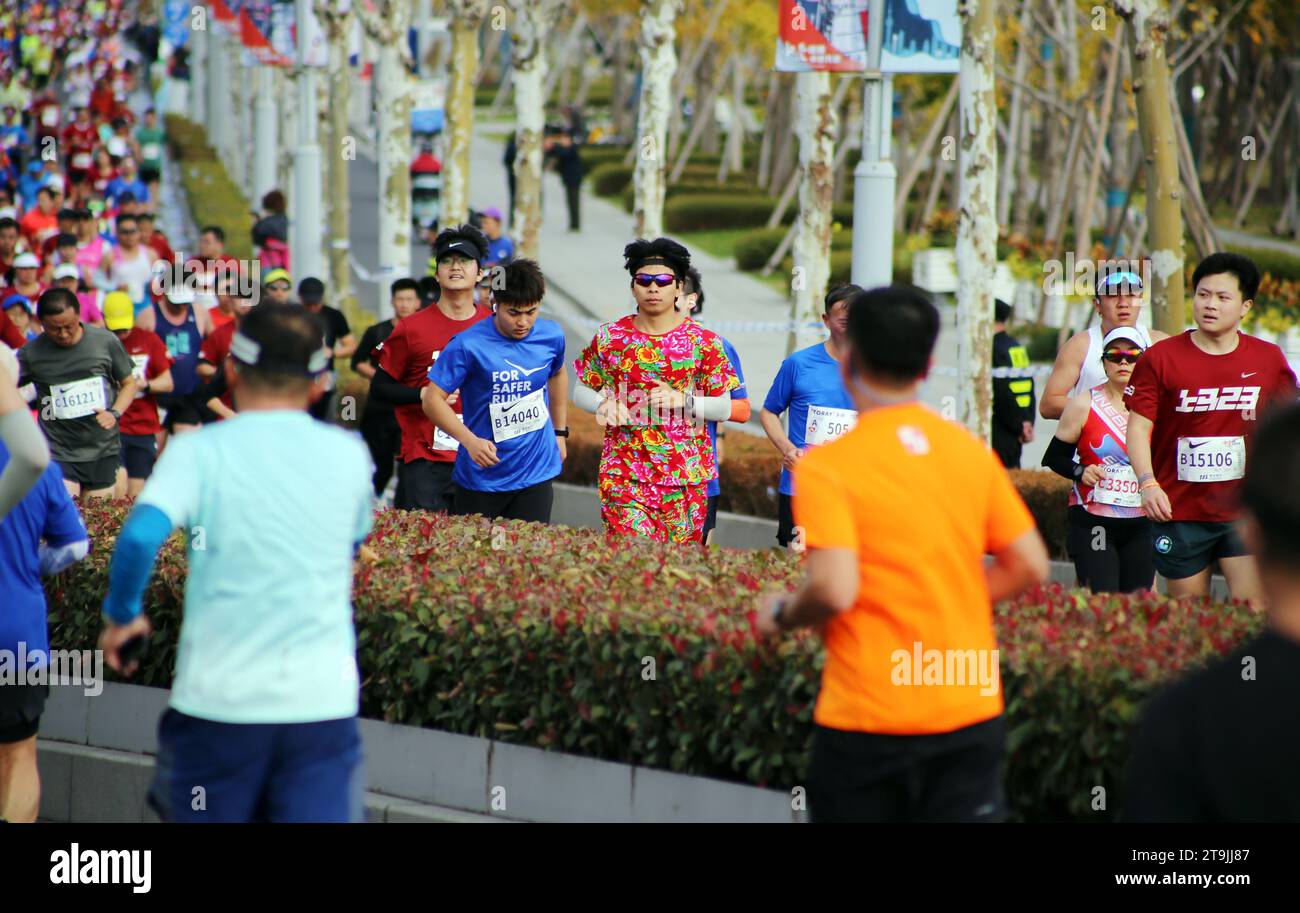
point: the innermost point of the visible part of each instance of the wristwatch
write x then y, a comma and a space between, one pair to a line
562, 432
117, 416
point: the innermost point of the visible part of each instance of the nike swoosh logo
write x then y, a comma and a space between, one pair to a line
1191, 446
527, 372
1244, 375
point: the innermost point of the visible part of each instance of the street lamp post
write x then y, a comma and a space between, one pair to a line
874, 178
305, 229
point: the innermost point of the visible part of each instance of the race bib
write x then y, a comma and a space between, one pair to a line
522, 416
151, 152
139, 364
444, 441
1211, 459
50, 116
78, 398
82, 161
826, 424
1118, 487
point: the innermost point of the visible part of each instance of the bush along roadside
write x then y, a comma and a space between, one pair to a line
645, 653
214, 199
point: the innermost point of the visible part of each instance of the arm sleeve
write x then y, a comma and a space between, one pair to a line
1008, 517
28, 457
1059, 457
586, 398
365, 347
712, 408
385, 388
137, 547
821, 508
56, 558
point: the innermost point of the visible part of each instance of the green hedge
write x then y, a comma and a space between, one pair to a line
609, 179
449, 639
723, 210
753, 250
214, 198
1279, 264
689, 188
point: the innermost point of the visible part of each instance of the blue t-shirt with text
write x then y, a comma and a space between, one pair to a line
809, 377
502, 384
740, 392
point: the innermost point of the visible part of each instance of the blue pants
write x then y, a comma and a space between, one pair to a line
246, 772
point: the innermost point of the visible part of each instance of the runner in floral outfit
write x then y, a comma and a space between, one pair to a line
653, 379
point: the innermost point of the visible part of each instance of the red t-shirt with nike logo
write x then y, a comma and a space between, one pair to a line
1191, 395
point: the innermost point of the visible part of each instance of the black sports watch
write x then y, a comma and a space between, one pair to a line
562, 432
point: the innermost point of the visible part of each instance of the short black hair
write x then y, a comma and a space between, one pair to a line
46, 189
694, 285
430, 290
216, 231
1271, 489
287, 337
124, 217
838, 293
661, 250
405, 284
1239, 265
893, 330
1001, 311
56, 301
522, 284
8, 222
64, 239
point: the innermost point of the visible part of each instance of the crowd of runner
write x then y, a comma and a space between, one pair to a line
214, 406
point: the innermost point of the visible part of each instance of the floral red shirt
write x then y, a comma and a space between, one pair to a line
656, 450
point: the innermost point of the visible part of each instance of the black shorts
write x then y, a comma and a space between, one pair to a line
947, 777
150, 175
424, 485
532, 503
138, 454
710, 518
784, 519
1185, 548
179, 410
21, 707
92, 475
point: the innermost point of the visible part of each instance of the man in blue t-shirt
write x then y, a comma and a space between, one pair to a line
810, 385
509, 372
41, 536
274, 506
501, 250
693, 291
126, 182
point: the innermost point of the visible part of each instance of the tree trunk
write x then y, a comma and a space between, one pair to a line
658, 62
388, 26
1149, 26
712, 72
784, 159
1117, 176
533, 21
1262, 153
467, 16
621, 88
769, 128
940, 177
703, 101
977, 227
1014, 129
567, 52
288, 106
812, 241
1088, 202
338, 30
733, 158
491, 63
1025, 190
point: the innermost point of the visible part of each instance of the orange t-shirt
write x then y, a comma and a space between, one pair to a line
921, 501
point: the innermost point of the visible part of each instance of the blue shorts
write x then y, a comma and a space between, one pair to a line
257, 772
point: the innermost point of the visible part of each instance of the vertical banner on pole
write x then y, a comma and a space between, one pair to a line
925, 41
822, 35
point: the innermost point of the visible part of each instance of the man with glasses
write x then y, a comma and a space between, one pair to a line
1118, 300
277, 285
653, 379
84, 382
1194, 403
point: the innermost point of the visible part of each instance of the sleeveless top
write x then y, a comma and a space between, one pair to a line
183, 341
135, 273
1102, 442
1092, 373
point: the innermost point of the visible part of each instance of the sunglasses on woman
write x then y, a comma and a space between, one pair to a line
1123, 356
663, 280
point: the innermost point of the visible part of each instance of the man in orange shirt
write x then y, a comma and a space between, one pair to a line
909, 718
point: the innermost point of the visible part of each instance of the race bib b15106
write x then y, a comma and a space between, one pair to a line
1211, 459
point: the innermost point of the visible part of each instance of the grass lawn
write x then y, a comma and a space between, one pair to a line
1259, 218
